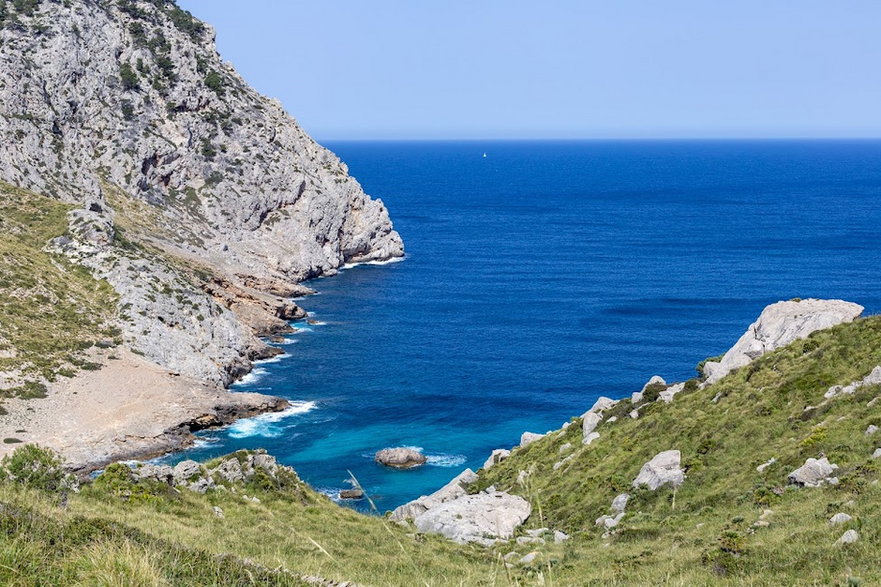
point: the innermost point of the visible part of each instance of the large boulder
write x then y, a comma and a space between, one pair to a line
814, 473
480, 518
400, 458
663, 469
588, 426
778, 325
452, 490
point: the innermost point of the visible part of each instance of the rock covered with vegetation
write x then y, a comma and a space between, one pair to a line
201, 202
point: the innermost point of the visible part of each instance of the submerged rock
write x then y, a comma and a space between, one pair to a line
663, 469
400, 458
778, 325
351, 494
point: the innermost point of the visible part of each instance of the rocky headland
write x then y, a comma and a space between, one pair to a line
198, 204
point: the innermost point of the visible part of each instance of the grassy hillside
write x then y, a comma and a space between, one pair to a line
707, 531
50, 310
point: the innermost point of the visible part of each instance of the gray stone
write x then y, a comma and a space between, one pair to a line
476, 518
873, 378
560, 536
566, 447
523, 540
351, 493
778, 325
452, 490
218, 512
400, 458
619, 504
601, 405
761, 468
849, 537
161, 473
589, 423
877, 454
872, 429
655, 380
230, 470
663, 469
814, 473
537, 532
840, 518
184, 471
609, 522
668, 394
590, 438
528, 438
528, 558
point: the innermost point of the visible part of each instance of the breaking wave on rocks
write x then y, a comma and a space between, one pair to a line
383, 262
250, 378
268, 425
442, 460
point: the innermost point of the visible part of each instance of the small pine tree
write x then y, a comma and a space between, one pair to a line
129, 77
214, 82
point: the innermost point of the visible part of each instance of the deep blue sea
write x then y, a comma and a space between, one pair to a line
544, 275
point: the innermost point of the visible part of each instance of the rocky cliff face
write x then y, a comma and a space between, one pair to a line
185, 175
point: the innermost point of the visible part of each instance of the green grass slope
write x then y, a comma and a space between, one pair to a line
705, 532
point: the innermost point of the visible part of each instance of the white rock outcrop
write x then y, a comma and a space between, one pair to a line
497, 456
840, 518
873, 378
452, 490
663, 469
480, 518
778, 325
814, 473
528, 438
849, 537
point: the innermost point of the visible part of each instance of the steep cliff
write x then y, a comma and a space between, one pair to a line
200, 201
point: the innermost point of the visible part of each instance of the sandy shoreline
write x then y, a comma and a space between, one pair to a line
128, 409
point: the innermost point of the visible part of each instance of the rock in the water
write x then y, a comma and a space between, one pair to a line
814, 473
849, 537
351, 494
840, 518
528, 438
452, 490
778, 325
476, 518
497, 456
663, 469
400, 458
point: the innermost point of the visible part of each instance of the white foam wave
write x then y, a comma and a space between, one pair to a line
266, 425
383, 262
274, 359
446, 460
253, 377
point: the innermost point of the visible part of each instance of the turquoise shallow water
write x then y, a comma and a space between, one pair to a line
543, 276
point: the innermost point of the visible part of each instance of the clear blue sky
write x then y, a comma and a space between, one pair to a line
561, 69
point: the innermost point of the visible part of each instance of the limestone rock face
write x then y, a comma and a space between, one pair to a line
873, 378
400, 458
477, 518
663, 469
814, 473
127, 111
778, 325
452, 490
497, 456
